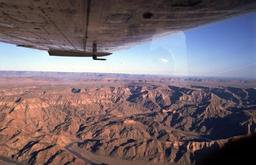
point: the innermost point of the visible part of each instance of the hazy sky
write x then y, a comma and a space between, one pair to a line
226, 49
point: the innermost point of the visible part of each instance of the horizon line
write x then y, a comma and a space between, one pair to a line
137, 74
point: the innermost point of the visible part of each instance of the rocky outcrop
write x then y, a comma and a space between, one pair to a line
130, 123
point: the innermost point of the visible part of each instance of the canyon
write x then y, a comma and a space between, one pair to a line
45, 120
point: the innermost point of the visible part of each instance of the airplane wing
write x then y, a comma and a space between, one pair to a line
72, 26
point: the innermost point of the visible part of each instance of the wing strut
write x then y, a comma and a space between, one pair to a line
94, 52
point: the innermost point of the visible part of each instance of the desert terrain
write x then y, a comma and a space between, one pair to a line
78, 118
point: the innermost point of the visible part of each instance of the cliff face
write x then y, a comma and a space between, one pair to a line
122, 124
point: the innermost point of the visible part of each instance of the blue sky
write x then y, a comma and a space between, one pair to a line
223, 49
